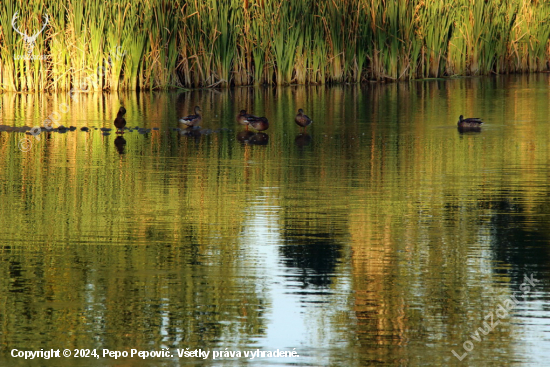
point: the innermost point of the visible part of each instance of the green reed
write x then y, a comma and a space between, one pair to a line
258, 36
222, 16
286, 25
158, 44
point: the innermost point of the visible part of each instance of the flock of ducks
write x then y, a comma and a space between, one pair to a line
245, 119
262, 124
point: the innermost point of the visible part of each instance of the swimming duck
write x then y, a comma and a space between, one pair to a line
258, 123
120, 122
469, 122
242, 118
192, 120
302, 120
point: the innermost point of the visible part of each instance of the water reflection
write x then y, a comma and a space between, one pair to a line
302, 139
244, 136
517, 239
315, 261
259, 139
470, 129
191, 132
249, 137
120, 144
386, 246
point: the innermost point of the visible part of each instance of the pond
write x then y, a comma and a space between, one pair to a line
381, 236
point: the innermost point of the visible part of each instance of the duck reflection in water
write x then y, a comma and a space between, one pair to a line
469, 129
191, 132
248, 137
120, 144
244, 136
259, 139
302, 139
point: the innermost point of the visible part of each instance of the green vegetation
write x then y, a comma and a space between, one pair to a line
159, 44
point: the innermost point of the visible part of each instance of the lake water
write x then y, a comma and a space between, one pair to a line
383, 236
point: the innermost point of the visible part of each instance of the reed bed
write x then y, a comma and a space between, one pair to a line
160, 44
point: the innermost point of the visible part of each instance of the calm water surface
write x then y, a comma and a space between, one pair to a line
382, 237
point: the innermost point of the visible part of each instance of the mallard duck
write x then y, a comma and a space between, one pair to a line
192, 120
242, 118
469, 122
258, 123
302, 120
120, 122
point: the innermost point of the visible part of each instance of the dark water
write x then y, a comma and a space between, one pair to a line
382, 237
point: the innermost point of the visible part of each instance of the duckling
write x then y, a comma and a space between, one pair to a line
192, 120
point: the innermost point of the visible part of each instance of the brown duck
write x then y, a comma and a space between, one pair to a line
120, 122
242, 118
258, 123
192, 120
469, 122
302, 120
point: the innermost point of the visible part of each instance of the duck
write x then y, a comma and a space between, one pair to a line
120, 122
258, 123
302, 120
469, 122
192, 120
242, 118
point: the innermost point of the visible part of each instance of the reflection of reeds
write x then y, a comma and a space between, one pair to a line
156, 44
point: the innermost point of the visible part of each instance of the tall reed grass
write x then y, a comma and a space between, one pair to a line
159, 44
